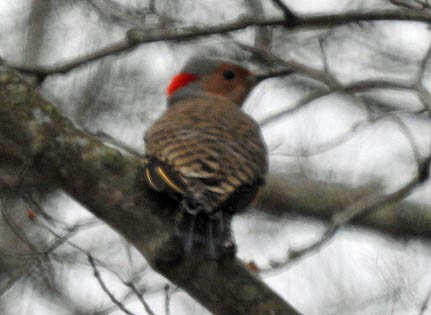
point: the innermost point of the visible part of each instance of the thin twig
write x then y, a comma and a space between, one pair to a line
65, 239
404, 4
291, 65
41, 72
333, 143
355, 87
117, 13
105, 288
167, 299
262, 35
15, 278
71, 231
310, 21
290, 17
140, 297
423, 64
425, 97
408, 134
422, 91
357, 210
302, 103
326, 67
425, 303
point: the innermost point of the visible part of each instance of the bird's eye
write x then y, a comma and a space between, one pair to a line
229, 75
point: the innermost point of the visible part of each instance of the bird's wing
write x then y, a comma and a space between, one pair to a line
205, 152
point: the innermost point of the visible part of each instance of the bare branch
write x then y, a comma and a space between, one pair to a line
302, 103
359, 209
423, 64
262, 35
326, 67
62, 239
370, 204
290, 65
42, 72
335, 142
404, 4
425, 303
105, 288
405, 130
354, 87
425, 97
65, 239
114, 12
311, 21
364, 85
294, 255
290, 17
136, 37
422, 91
167, 299
15, 278
140, 297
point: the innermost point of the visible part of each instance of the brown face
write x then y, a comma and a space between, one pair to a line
230, 81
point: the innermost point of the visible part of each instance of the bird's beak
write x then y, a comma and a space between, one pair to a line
260, 77
252, 80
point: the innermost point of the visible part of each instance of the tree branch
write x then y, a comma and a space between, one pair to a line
136, 37
141, 298
290, 17
425, 303
41, 72
105, 288
111, 187
295, 193
357, 210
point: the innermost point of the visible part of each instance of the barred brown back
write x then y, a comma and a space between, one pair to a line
205, 149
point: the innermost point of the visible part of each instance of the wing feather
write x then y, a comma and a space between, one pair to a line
211, 145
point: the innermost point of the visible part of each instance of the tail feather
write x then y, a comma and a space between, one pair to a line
188, 241
211, 245
207, 234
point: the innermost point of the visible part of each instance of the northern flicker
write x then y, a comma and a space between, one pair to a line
206, 152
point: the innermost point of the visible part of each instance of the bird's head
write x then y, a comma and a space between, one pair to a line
211, 77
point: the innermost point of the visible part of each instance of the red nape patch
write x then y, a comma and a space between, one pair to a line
180, 80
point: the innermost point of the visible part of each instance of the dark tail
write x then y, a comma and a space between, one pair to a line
210, 235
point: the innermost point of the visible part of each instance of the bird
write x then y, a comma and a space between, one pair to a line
206, 153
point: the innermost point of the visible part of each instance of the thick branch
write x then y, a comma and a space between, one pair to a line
357, 210
295, 193
108, 184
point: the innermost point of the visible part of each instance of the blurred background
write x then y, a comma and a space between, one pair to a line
351, 121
